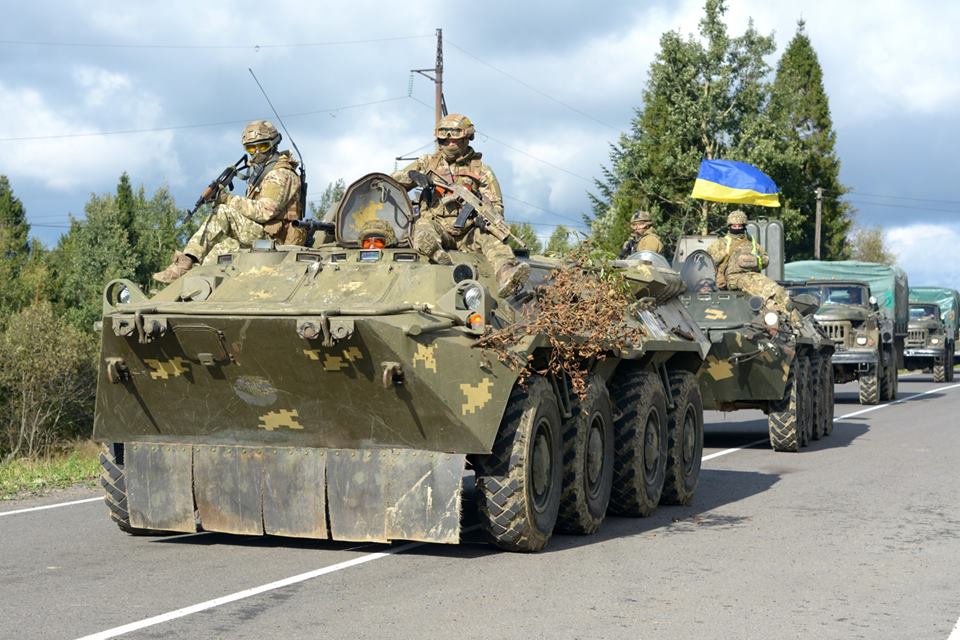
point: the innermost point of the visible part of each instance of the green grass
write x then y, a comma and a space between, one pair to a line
76, 465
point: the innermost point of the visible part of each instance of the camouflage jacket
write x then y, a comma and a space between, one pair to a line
274, 200
649, 241
467, 170
727, 251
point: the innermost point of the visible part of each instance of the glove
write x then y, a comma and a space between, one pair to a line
222, 197
747, 262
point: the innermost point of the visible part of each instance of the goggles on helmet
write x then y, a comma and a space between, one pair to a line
373, 242
258, 147
448, 134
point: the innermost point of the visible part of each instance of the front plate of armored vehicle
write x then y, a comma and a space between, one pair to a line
929, 346
760, 359
864, 310
336, 392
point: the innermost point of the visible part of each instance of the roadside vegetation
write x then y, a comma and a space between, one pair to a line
74, 464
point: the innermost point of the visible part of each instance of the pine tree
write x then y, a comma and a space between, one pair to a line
705, 96
800, 115
559, 242
526, 232
330, 197
14, 249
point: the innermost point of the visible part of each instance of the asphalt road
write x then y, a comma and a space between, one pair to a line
857, 536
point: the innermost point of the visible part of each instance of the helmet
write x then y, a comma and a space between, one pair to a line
455, 125
737, 217
378, 228
260, 131
641, 216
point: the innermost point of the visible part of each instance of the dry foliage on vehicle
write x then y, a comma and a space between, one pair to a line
581, 310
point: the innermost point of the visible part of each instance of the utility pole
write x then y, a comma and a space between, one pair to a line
435, 75
816, 229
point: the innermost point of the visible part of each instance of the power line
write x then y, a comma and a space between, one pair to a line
192, 126
553, 213
533, 157
903, 206
254, 46
875, 195
531, 87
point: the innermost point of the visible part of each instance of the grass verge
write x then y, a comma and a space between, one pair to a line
78, 464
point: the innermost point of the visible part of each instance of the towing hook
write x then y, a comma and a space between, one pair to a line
392, 374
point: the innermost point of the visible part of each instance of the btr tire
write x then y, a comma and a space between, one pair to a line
805, 411
782, 421
640, 442
519, 482
819, 396
869, 390
587, 462
827, 364
115, 489
684, 439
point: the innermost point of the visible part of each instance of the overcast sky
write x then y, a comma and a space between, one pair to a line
549, 85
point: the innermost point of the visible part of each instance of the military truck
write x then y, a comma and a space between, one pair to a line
864, 309
929, 345
337, 392
949, 302
758, 358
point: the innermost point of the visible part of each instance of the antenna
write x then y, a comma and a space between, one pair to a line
303, 170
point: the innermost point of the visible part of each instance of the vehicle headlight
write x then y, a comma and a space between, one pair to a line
934, 340
861, 340
473, 297
771, 319
123, 296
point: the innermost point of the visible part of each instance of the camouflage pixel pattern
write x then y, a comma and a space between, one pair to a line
431, 234
648, 241
258, 131
739, 260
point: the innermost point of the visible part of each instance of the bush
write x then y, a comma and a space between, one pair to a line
47, 382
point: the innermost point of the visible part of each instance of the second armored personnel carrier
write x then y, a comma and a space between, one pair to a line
338, 392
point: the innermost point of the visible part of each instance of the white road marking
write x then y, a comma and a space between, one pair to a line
955, 634
734, 450
50, 506
247, 593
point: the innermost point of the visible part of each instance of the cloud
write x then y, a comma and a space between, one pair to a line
925, 252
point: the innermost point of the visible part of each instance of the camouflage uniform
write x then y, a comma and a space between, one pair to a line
648, 241
434, 229
739, 260
265, 212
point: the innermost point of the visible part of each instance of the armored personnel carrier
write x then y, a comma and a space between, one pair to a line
337, 392
760, 359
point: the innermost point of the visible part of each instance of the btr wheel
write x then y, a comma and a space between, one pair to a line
520, 480
819, 396
782, 421
827, 364
640, 442
684, 439
587, 462
114, 485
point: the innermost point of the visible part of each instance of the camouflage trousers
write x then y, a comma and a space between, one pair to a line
757, 284
225, 231
429, 235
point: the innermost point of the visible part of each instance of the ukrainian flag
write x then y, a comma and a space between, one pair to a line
732, 181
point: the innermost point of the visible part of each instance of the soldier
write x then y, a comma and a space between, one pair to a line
643, 236
433, 232
740, 259
377, 234
271, 203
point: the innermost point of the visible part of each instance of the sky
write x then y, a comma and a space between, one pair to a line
549, 85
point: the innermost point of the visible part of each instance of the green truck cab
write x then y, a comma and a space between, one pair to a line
930, 342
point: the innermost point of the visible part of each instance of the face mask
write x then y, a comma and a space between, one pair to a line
738, 232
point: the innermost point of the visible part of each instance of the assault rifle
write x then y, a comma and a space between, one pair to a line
471, 207
223, 181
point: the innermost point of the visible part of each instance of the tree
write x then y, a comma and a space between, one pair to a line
330, 197
526, 233
156, 232
705, 98
867, 244
559, 242
14, 249
804, 157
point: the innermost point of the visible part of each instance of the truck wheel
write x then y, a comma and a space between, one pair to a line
888, 385
782, 421
640, 443
587, 462
939, 373
519, 481
114, 486
869, 391
819, 396
827, 364
950, 372
684, 439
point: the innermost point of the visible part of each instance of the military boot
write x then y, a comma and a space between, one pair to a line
180, 265
511, 277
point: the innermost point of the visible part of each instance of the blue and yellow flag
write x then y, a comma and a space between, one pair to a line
732, 181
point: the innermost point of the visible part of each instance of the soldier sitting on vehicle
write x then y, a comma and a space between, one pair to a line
271, 203
739, 261
434, 232
643, 236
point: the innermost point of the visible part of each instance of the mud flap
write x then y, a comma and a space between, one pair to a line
228, 488
379, 495
159, 481
294, 502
